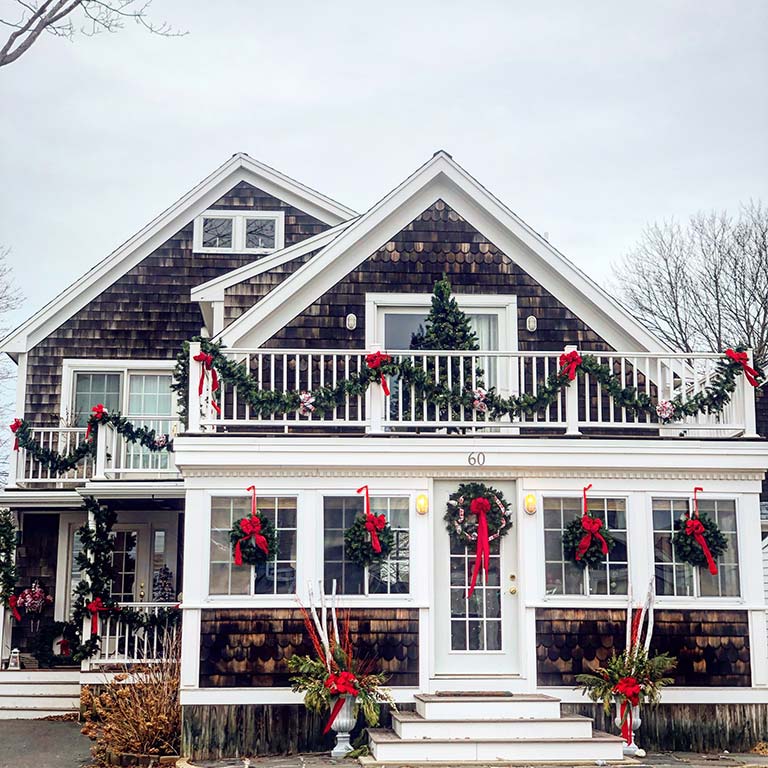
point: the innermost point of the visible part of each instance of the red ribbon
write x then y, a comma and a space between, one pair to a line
480, 507
206, 361
251, 527
743, 360
13, 602
373, 523
15, 426
93, 608
98, 412
374, 361
65, 649
591, 526
569, 363
341, 684
629, 689
694, 527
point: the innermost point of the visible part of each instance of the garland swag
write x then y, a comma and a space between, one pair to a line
9, 575
264, 402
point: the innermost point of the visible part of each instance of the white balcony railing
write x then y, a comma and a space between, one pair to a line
582, 407
63, 440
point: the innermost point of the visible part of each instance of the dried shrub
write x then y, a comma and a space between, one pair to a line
138, 712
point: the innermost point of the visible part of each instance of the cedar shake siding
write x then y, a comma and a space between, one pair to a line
436, 242
147, 313
250, 648
711, 647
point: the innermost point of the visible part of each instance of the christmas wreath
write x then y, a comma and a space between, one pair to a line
586, 541
462, 520
254, 538
698, 540
369, 539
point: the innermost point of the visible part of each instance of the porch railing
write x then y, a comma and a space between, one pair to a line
64, 440
124, 643
582, 407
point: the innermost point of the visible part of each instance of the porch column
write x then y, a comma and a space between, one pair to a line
572, 402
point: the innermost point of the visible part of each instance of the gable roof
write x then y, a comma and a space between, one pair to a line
442, 178
239, 168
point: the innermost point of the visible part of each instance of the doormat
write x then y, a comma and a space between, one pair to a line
474, 694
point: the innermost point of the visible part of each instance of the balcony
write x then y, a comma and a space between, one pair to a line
581, 408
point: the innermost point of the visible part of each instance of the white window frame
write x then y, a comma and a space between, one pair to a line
239, 217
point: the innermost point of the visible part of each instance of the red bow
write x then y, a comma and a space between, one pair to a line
374, 361
13, 602
344, 683
15, 426
94, 607
569, 363
206, 361
98, 412
373, 523
480, 507
694, 527
629, 689
743, 360
591, 526
65, 649
251, 528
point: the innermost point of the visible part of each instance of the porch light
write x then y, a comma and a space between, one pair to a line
530, 503
422, 504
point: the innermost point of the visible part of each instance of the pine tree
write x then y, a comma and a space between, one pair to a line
162, 586
446, 326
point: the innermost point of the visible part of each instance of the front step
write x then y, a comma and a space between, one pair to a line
30, 694
478, 707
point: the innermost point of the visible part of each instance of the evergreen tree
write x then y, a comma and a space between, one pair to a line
446, 326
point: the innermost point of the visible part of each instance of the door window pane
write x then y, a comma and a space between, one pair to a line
124, 564
92, 389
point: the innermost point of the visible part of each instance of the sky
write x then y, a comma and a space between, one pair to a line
589, 120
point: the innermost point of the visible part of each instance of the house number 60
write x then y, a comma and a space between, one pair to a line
476, 459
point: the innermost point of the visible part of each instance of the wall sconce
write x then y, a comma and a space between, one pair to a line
422, 504
350, 321
530, 503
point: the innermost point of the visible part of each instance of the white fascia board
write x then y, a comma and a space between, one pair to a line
215, 289
44, 499
442, 178
237, 169
133, 489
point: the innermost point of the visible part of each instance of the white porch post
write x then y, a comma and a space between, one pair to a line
85, 664
102, 438
374, 402
748, 401
572, 402
193, 398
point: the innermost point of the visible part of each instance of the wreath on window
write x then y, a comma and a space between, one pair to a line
698, 540
254, 538
370, 538
586, 541
469, 499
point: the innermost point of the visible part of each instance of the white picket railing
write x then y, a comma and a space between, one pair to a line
582, 407
122, 644
64, 440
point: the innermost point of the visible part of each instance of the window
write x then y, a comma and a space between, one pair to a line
681, 579
391, 576
239, 231
150, 405
564, 577
124, 564
275, 577
92, 389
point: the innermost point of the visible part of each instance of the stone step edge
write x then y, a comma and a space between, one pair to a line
383, 735
371, 762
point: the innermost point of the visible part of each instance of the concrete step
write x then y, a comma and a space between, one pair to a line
31, 700
32, 714
388, 747
39, 689
480, 707
411, 725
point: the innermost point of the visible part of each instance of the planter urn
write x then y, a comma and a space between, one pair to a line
343, 725
633, 722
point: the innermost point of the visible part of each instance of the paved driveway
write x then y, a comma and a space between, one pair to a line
42, 744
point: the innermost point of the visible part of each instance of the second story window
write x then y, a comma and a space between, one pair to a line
239, 231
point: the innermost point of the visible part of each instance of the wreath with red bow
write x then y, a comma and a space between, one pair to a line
370, 538
586, 540
698, 540
254, 538
461, 519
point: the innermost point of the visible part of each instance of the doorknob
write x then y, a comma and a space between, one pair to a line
513, 590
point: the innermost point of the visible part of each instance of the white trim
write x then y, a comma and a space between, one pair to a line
442, 178
61, 607
676, 695
239, 168
238, 217
211, 696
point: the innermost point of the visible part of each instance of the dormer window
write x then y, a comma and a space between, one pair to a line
239, 231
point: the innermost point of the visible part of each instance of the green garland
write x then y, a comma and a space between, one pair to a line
687, 550
251, 554
357, 543
594, 556
9, 575
461, 524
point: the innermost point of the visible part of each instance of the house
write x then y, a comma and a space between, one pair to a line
295, 291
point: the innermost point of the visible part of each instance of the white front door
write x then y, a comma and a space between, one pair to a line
475, 636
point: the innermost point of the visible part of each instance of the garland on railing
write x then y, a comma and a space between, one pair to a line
61, 463
325, 399
9, 575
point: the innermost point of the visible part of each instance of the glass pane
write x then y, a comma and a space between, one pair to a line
574, 579
400, 327
553, 545
684, 580
618, 579
149, 395
729, 578
217, 233
554, 578
552, 514
493, 635
458, 635
92, 389
476, 635
662, 518
240, 580
665, 580
219, 581
260, 233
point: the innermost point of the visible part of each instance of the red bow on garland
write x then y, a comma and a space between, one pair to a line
694, 527
98, 412
629, 689
374, 361
13, 603
569, 362
591, 526
94, 607
15, 426
480, 507
373, 523
341, 684
206, 365
743, 360
251, 527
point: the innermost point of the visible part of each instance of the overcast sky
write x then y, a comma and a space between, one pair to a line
588, 119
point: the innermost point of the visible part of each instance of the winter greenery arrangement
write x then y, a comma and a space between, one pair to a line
370, 537
8, 574
586, 541
698, 540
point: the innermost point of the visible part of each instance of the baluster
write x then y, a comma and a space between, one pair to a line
346, 397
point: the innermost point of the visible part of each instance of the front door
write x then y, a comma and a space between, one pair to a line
475, 636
